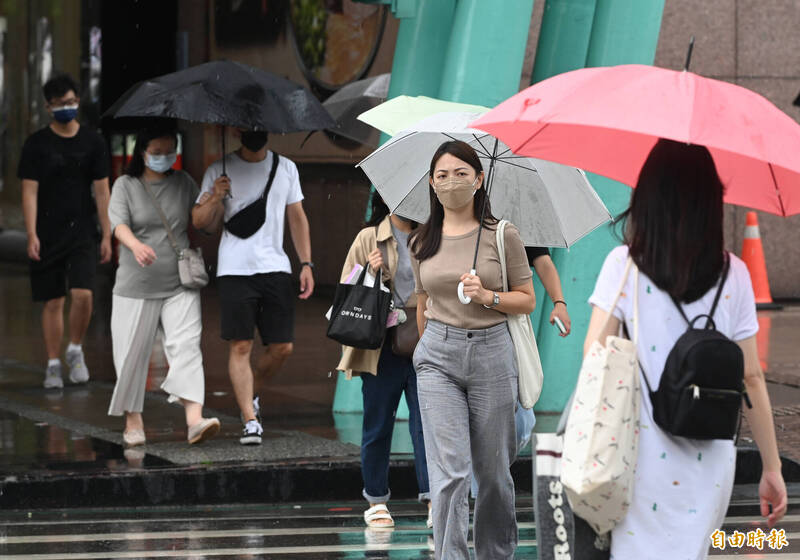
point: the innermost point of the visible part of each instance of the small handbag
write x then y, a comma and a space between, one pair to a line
359, 313
249, 219
191, 266
601, 437
405, 336
531, 376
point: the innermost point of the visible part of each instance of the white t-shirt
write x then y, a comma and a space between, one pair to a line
661, 323
682, 486
263, 251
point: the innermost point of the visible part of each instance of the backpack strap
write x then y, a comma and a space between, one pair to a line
726, 264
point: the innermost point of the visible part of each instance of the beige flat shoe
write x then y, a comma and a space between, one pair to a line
203, 430
132, 438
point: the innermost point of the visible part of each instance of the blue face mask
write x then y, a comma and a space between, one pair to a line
65, 114
160, 164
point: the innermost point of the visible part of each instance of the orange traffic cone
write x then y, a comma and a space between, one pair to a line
753, 257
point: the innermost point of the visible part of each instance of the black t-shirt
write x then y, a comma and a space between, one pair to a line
534, 253
64, 169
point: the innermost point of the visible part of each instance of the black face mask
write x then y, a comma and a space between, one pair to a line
254, 140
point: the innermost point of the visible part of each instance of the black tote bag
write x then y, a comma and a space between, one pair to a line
359, 314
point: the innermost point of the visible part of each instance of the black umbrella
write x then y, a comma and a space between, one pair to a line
226, 93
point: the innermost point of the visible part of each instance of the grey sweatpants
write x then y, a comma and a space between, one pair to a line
467, 385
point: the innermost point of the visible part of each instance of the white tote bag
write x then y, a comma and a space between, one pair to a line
528, 363
602, 433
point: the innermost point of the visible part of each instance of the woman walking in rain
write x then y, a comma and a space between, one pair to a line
147, 291
674, 235
385, 375
466, 367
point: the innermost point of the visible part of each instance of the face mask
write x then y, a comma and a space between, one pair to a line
254, 140
160, 164
455, 193
65, 114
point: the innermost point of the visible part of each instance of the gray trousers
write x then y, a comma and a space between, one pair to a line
467, 385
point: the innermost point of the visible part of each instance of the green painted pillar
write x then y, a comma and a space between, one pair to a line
564, 37
485, 54
563, 45
623, 32
419, 58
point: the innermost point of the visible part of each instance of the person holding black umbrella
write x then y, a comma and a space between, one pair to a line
253, 191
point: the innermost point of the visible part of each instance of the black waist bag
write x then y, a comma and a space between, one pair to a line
702, 385
249, 219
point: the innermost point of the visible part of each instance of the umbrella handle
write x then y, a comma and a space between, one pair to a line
461, 297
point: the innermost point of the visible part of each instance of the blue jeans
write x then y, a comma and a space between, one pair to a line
382, 394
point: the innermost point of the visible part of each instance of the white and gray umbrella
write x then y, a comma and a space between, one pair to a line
553, 205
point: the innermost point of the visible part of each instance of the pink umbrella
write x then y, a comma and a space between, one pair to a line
606, 120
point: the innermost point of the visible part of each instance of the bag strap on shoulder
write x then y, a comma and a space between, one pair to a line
501, 251
272, 171
385, 256
726, 265
170, 234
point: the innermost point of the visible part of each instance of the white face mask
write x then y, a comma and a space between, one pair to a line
455, 192
160, 163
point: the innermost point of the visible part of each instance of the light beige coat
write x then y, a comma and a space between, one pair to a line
357, 360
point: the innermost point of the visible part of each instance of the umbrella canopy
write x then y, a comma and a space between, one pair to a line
402, 111
353, 99
606, 120
553, 205
226, 93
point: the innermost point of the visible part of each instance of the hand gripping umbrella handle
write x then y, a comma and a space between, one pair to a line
461, 297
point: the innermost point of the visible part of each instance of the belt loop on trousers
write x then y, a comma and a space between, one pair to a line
445, 330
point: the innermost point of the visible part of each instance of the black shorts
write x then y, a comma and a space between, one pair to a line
265, 301
69, 262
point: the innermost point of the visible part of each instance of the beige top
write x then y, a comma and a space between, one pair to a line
355, 361
438, 277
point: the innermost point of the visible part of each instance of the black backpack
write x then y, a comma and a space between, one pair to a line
702, 385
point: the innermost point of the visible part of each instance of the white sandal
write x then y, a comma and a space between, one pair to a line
375, 513
429, 521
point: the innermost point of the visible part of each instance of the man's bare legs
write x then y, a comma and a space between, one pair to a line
80, 313
269, 363
53, 326
242, 376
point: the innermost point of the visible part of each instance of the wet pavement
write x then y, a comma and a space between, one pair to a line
60, 447
308, 530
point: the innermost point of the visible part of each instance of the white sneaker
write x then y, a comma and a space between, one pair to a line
77, 367
251, 434
52, 377
256, 409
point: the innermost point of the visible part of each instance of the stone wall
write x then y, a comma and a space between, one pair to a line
755, 44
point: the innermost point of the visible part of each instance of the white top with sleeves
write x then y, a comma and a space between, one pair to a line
682, 486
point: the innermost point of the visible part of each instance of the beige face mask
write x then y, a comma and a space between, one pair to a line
455, 192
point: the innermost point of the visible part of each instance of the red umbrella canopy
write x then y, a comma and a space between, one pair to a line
606, 120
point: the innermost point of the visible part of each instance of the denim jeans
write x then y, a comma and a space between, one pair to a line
382, 394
